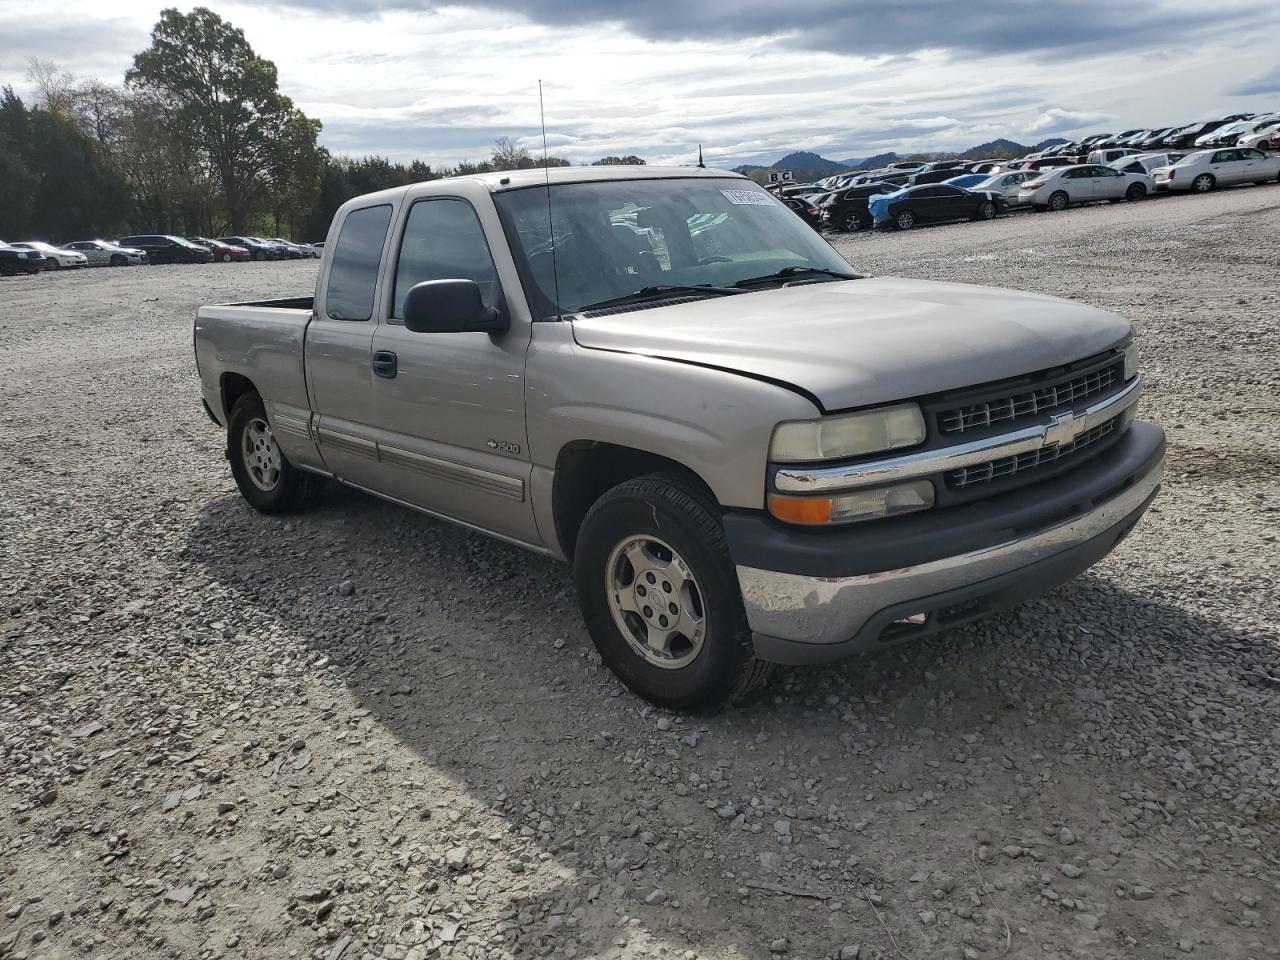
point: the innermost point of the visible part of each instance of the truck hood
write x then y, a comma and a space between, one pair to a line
860, 342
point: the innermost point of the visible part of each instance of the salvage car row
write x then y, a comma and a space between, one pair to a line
33, 256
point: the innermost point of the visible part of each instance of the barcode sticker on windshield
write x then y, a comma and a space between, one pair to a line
747, 196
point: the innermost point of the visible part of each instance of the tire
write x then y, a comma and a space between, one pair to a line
850, 223
265, 477
659, 528
118, 260
1203, 183
986, 211
255, 255
51, 263
1058, 201
904, 220
226, 258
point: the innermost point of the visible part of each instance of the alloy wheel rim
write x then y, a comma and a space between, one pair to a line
656, 602
262, 458
905, 220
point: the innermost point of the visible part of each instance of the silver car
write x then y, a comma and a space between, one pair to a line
100, 253
1060, 187
1008, 183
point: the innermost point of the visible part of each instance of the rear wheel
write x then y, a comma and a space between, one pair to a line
1204, 183
262, 472
660, 596
904, 220
986, 210
226, 258
1059, 201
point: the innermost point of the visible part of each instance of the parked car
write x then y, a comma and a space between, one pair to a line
1110, 155
805, 210
258, 249
1008, 183
966, 179
1204, 170
165, 248
1047, 163
103, 253
706, 539
1266, 138
15, 260
1119, 139
936, 175
301, 249
56, 258
287, 251
1145, 162
1187, 136
1086, 183
1153, 141
225, 252
1223, 136
846, 210
933, 203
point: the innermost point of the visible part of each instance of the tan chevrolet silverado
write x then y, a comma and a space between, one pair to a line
750, 454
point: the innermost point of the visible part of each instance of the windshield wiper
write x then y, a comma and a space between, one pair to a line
659, 292
788, 273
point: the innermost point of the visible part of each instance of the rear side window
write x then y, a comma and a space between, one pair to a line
356, 257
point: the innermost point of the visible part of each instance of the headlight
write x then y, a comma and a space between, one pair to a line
1131, 360
848, 435
853, 506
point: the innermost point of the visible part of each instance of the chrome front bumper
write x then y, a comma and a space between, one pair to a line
798, 619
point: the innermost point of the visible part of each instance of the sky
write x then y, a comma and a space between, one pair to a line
750, 80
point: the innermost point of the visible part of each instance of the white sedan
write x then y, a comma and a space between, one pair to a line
55, 258
1202, 171
100, 253
1007, 183
1058, 188
1265, 138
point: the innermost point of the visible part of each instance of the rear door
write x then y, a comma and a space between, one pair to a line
339, 343
450, 406
1254, 166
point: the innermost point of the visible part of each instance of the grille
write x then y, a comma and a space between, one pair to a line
1030, 403
1009, 466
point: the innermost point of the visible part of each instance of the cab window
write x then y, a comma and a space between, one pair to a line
443, 240
353, 271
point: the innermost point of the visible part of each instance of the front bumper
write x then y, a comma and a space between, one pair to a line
811, 598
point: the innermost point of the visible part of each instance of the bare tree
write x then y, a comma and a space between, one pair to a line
55, 87
508, 156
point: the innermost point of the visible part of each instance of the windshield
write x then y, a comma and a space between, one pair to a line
619, 237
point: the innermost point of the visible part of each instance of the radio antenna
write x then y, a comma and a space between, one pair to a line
551, 226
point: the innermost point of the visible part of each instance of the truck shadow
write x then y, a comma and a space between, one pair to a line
472, 655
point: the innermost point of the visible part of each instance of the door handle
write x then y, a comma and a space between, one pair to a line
385, 364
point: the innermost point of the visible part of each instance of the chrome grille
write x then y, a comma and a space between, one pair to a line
1008, 466
1030, 403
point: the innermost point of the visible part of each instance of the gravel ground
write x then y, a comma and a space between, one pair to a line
361, 733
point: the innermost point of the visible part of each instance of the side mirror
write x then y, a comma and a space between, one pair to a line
450, 306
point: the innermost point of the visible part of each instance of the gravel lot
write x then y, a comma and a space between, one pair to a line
361, 733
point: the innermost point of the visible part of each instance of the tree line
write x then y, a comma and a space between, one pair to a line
198, 140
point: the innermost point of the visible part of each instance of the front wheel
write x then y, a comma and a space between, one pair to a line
905, 220
850, 223
117, 260
262, 472
660, 596
986, 211
51, 263
226, 258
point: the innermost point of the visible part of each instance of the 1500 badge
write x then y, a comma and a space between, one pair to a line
502, 446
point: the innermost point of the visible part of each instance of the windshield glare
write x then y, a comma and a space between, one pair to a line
616, 237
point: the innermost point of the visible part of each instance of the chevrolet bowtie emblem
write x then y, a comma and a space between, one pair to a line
1062, 428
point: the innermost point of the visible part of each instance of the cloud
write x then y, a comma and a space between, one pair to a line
880, 27
1262, 86
1057, 120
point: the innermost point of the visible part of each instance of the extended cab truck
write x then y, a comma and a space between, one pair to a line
749, 454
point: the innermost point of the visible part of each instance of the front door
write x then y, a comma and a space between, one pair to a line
450, 406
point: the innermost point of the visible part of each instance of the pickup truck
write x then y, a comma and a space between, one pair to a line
749, 453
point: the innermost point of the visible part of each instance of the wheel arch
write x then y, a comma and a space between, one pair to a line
586, 469
233, 386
